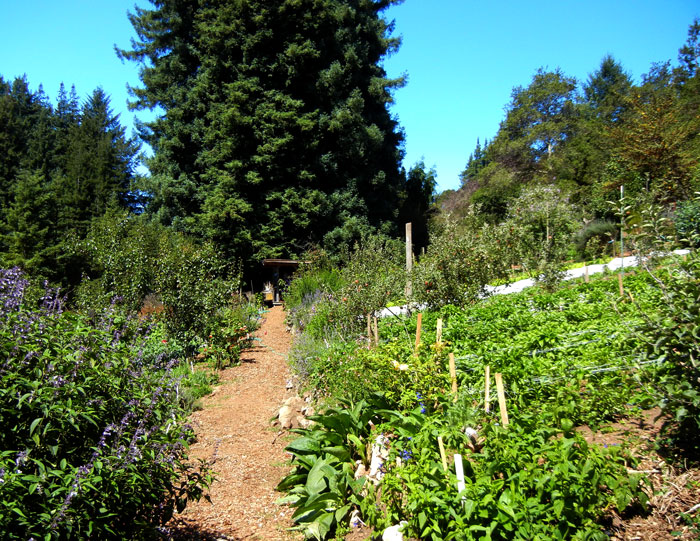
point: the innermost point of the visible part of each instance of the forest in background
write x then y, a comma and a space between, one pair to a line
588, 138
276, 138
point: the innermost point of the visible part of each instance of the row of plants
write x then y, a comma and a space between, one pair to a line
578, 355
94, 405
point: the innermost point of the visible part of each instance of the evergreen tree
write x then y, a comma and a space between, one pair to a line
29, 221
275, 132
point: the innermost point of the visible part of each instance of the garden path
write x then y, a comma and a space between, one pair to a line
234, 426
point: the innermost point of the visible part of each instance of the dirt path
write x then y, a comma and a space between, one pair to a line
234, 425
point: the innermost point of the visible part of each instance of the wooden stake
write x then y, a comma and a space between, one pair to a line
619, 281
501, 399
438, 334
453, 376
487, 391
585, 275
409, 260
443, 456
369, 331
459, 471
419, 326
376, 332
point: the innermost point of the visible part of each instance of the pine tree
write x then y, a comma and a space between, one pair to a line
275, 131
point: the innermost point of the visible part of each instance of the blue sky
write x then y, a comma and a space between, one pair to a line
462, 57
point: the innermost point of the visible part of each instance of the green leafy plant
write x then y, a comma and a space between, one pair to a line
95, 440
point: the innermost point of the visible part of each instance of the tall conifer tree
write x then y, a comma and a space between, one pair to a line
275, 130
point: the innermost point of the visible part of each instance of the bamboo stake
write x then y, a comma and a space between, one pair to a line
487, 389
619, 281
501, 399
453, 376
376, 332
438, 334
419, 326
443, 456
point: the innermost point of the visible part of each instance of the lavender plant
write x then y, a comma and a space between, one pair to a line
94, 441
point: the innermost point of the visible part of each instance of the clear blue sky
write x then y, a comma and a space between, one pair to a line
462, 57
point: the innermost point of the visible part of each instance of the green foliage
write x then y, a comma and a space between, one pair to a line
687, 222
543, 222
95, 440
595, 239
230, 333
248, 153
59, 169
373, 274
322, 486
132, 258
461, 260
671, 337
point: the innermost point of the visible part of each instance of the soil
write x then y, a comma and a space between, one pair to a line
234, 427
673, 489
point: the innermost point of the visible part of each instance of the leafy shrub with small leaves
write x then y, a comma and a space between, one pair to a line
671, 336
687, 222
131, 258
94, 441
461, 260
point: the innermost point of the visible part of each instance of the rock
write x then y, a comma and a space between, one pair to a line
308, 411
295, 402
380, 452
286, 417
361, 471
355, 520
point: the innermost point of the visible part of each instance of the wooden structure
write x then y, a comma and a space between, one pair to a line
277, 272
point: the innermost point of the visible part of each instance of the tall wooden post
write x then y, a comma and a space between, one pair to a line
409, 259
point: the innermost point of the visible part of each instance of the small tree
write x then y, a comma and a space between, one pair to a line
543, 221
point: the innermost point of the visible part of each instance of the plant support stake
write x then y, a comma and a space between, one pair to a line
459, 471
443, 456
419, 326
438, 333
453, 376
501, 399
409, 260
487, 389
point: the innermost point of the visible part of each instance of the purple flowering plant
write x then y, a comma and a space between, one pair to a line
94, 440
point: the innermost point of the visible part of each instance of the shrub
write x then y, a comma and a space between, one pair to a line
687, 222
672, 337
94, 438
543, 222
595, 239
133, 259
461, 260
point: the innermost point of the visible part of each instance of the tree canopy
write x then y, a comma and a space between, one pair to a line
275, 131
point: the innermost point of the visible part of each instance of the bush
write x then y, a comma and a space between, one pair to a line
672, 337
374, 274
133, 259
543, 222
94, 440
595, 239
461, 260
687, 222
